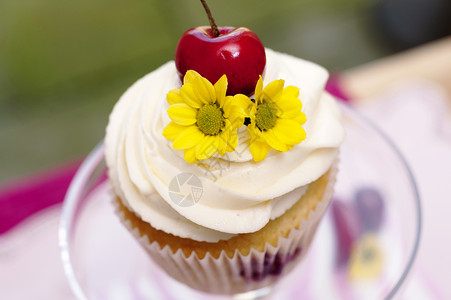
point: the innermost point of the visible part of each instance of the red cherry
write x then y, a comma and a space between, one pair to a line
236, 52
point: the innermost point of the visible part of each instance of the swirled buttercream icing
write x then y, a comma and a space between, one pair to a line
238, 195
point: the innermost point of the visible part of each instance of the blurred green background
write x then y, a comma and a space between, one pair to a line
63, 64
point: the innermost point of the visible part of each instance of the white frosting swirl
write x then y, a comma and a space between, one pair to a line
239, 195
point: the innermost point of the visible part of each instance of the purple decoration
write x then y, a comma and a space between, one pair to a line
272, 265
370, 207
347, 229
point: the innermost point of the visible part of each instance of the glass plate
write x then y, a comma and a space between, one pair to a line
364, 247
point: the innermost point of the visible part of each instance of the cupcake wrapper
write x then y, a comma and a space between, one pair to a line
240, 273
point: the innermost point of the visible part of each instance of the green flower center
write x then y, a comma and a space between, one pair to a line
210, 119
265, 117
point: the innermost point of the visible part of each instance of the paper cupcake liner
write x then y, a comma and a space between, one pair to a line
240, 273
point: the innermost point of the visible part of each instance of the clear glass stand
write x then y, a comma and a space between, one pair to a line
364, 247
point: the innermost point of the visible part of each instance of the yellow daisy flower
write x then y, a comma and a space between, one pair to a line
204, 119
275, 119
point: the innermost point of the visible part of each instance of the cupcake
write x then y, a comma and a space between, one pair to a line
225, 190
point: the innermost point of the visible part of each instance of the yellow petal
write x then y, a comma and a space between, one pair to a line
221, 142
254, 131
289, 131
273, 141
272, 90
174, 97
204, 90
189, 76
258, 89
188, 138
190, 155
237, 117
233, 110
221, 89
244, 102
232, 141
206, 148
288, 107
227, 106
189, 96
259, 150
173, 130
300, 118
252, 113
182, 114
227, 125
291, 91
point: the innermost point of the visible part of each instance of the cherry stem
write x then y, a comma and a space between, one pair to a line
214, 27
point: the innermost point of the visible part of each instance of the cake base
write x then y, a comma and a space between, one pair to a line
244, 262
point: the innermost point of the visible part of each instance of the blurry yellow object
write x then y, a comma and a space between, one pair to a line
366, 259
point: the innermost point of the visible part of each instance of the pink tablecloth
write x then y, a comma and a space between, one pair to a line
25, 197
